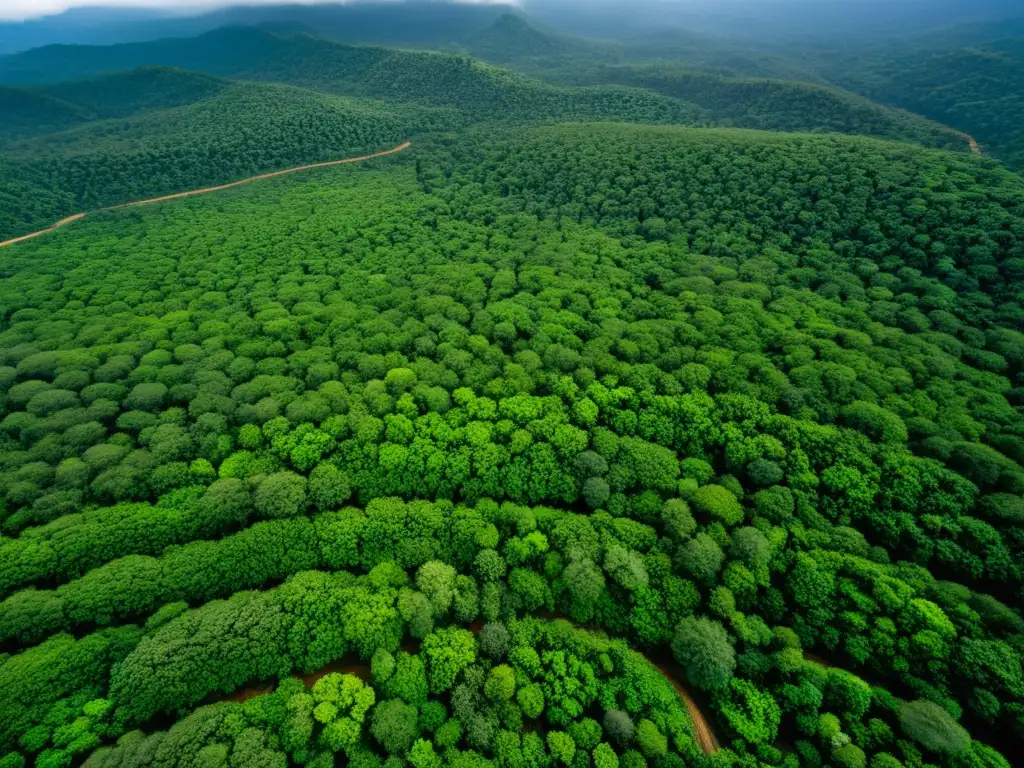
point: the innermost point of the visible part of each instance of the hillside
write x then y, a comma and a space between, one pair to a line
512, 39
233, 131
970, 78
366, 423
436, 79
138, 90
778, 105
417, 23
27, 113
417, 385
952, 218
636, 93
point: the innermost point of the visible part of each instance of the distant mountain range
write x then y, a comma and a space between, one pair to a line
435, 23
416, 23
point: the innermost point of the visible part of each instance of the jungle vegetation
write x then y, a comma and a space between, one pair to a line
594, 421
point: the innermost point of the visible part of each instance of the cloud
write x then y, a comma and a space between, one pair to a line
14, 10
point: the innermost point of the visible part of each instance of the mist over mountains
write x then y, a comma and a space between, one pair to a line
440, 21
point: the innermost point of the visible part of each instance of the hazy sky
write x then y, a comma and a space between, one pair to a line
27, 9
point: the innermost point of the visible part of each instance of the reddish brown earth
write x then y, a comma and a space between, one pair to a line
58, 225
817, 659
971, 141
345, 667
207, 190
703, 731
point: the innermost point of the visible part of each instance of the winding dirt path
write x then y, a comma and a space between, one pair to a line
813, 657
52, 227
207, 190
703, 731
971, 141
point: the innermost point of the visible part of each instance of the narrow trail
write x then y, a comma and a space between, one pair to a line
971, 141
817, 659
207, 190
52, 227
707, 740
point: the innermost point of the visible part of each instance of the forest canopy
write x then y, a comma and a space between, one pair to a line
462, 394
632, 415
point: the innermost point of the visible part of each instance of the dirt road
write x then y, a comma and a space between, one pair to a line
207, 190
702, 730
971, 141
58, 225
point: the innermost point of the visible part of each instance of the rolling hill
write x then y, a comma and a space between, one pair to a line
481, 92
28, 112
228, 131
138, 90
302, 470
969, 77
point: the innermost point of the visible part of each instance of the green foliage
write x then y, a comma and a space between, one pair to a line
734, 394
501, 683
703, 648
713, 502
393, 725
933, 727
448, 652
966, 78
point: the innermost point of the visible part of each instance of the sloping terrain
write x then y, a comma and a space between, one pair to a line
27, 113
575, 433
137, 90
238, 131
841, 198
658, 94
608, 372
779, 105
971, 78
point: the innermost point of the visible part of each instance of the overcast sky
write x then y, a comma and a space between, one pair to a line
28, 9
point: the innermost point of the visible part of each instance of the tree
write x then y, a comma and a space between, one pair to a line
678, 522
933, 727
393, 725
448, 652
494, 641
585, 583
750, 546
701, 558
605, 757
436, 580
850, 756
561, 746
531, 700
650, 740
422, 755
619, 727
501, 683
328, 487
382, 666
596, 492
282, 494
713, 502
625, 567
703, 648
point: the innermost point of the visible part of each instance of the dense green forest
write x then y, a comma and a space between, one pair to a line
153, 130
971, 78
659, 406
514, 375
160, 151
